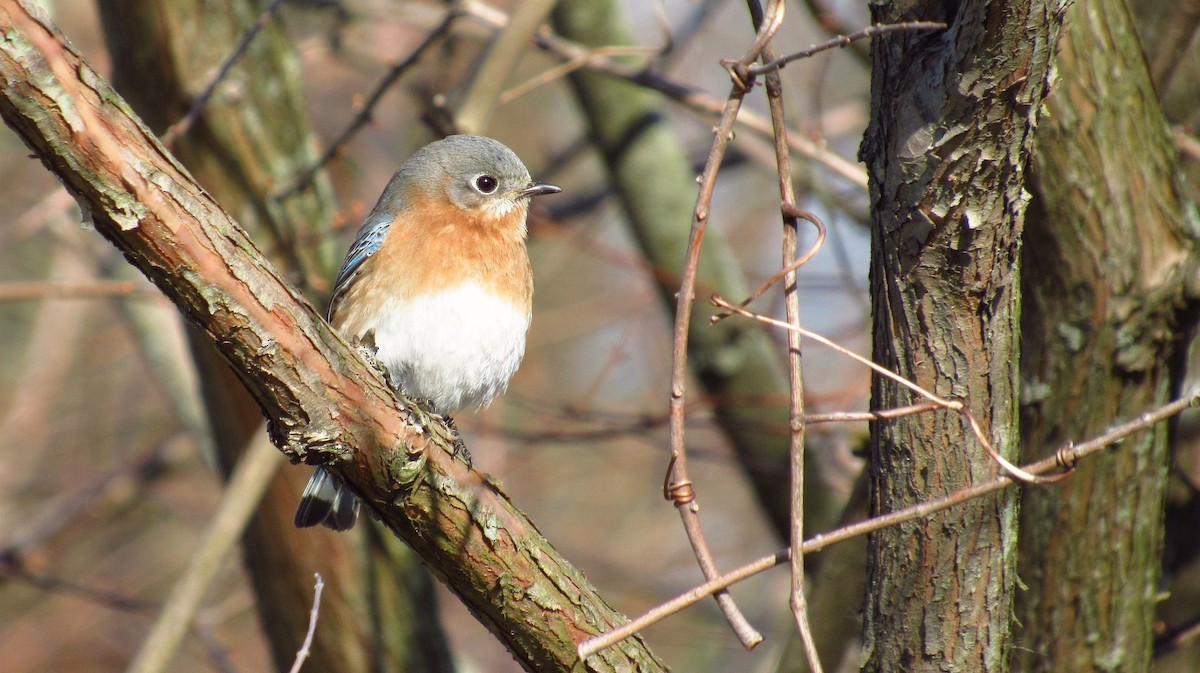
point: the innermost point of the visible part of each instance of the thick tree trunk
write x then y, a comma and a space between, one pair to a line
951, 131
1108, 251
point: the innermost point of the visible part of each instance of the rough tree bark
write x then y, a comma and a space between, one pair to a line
252, 137
1168, 39
322, 400
950, 135
1108, 253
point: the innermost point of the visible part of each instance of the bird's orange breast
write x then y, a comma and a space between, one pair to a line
430, 248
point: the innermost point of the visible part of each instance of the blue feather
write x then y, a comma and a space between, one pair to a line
366, 243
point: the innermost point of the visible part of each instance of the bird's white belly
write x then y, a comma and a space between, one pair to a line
457, 348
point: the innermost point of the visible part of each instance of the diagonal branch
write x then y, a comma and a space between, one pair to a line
323, 402
497, 64
246, 487
1064, 458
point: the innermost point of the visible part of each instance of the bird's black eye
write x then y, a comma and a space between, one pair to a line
486, 184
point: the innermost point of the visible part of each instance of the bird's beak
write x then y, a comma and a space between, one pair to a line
538, 189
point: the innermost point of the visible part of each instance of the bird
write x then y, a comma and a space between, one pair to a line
438, 282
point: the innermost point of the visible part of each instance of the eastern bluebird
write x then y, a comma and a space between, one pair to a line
438, 281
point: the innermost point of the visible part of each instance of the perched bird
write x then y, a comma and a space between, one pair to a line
438, 282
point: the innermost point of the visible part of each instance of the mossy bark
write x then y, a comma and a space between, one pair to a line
1109, 252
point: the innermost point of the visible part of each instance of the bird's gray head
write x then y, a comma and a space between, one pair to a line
475, 173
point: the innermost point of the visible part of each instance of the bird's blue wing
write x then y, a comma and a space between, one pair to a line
366, 243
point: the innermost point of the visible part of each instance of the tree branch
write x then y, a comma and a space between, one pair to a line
323, 402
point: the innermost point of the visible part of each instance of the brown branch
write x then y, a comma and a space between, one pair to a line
950, 405
1067, 456
185, 123
678, 486
1172, 36
238, 502
52, 517
93, 289
829, 21
842, 41
304, 650
323, 402
1178, 638
368, 107
497, 63
13, 568
793, 265
879, 415
50, 207
792, 215
1189, 144
569, 66
690, 97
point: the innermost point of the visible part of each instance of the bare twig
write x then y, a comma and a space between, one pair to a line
791, 223
677, 485
953, 405
218, 655
634, 428
1065, 457
303, 652
689, 29
498, 62
48, 208
568, 67
771, 22
368, 107
52, 517
950, 405
1172, 42
94, 289
880, 415
1177, 638
12, 567
842, 41
792, 265
1188, 143
239, 500
832, 23
181, 127
699, 101
1018, 473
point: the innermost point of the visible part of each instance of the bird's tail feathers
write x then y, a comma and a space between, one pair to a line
327, 501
